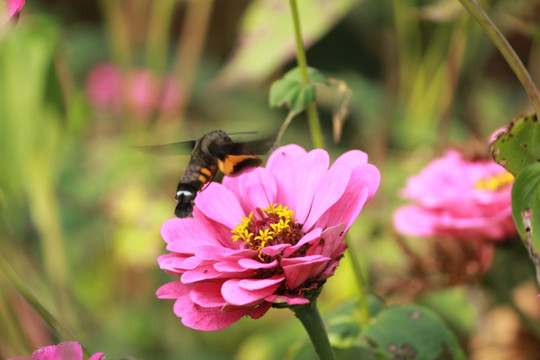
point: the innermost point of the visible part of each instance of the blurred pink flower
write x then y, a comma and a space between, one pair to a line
14, 6
69, 350
107, 87
269, 235
104, 86
457, 197
12, 9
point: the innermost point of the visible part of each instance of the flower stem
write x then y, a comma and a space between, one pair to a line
506, 50
309, 316
311, 110
285, 125
363, 305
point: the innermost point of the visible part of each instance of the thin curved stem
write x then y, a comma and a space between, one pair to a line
506, 50
311, 110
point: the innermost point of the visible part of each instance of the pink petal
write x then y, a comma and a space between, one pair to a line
414, 220
97, 356
308, 174
206, 319
352, 159
242, 292
279, 165
329, 191
259, 284
217, 253
332, 242
274, 250
280, 159
174, 262
364, 181
202, 272
14, 6
172, 290
208, 295
254, 264
308, 238
218, 232
298, 270
69, 350
294, 300
185, 235
230, 267
219, 204
255, 188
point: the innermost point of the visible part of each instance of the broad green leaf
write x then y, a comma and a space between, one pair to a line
266, 37
518, 145
526, 210
292, 92
344, 328
526, 196
411, 332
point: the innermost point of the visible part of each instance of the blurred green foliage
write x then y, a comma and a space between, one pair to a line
81, 210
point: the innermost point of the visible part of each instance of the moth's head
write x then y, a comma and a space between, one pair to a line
185, 203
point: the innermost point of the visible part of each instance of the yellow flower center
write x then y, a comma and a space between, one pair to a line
270, 226
496, 182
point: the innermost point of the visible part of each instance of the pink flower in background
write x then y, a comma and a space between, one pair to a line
11, 9
108, 87
69, 350
14, 6
269, 235
104, 86
460, 198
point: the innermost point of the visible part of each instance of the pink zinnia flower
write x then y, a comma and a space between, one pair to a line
460, 198
69, 350
269, 235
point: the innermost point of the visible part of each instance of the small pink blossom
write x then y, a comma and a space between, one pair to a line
108, 87
69, 350
460, 198
269, 235
11, 10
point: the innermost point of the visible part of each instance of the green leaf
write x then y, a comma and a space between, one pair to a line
292, 92
411, 332
518, 145
343, 325
314, 75
266, 37
526, 210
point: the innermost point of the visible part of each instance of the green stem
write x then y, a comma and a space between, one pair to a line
161, 15
309, 316
285, 125
506, 50
313, 117
62, 331
361, 284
